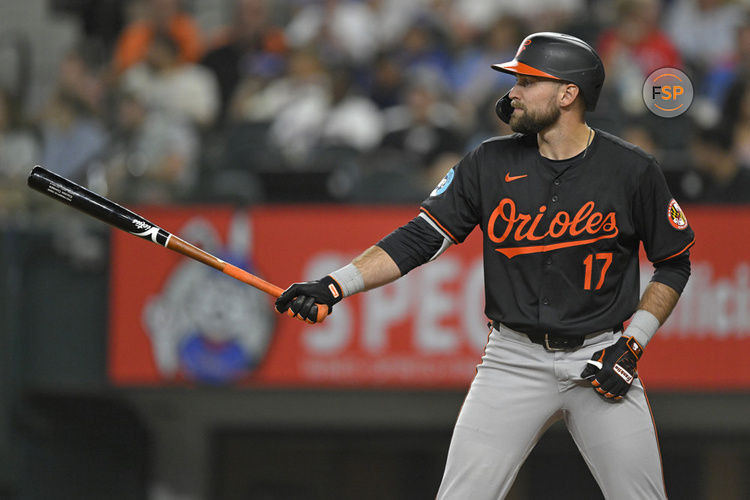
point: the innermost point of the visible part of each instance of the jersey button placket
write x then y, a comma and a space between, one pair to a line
545, 312
555, 190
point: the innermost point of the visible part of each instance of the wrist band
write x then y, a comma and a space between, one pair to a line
349, 279
642, 327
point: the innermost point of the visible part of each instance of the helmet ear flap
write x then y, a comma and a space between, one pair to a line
503, 108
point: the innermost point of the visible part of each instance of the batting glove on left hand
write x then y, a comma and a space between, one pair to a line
611, 371
303, 299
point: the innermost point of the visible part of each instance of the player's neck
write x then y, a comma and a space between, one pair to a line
564, 140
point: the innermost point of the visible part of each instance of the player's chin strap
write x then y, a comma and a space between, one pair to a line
503, 108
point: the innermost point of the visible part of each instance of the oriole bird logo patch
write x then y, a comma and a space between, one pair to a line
676, 216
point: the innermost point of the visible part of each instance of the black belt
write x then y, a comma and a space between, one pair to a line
551, 341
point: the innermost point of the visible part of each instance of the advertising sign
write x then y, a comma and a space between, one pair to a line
175, 321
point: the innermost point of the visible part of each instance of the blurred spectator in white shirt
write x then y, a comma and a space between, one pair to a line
294, 106
163, 82
19, 151
153, 155
343, 31
703, 30
353, 120
395, 17
539, 15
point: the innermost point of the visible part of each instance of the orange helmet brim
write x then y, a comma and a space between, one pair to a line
518, 68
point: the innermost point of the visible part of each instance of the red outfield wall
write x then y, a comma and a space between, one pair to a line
174, 321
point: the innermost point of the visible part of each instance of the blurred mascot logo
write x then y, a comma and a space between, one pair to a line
203, 325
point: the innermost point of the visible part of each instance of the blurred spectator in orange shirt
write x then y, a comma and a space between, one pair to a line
154, 16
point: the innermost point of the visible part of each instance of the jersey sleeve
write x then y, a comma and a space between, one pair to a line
414, 244
660, 222
454, 203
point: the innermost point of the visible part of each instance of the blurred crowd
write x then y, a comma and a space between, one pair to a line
359, 100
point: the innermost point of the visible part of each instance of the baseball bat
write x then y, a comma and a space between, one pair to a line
90, 203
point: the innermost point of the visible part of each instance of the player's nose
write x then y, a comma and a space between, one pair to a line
513, 95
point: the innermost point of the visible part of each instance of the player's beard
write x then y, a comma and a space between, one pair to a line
533, 123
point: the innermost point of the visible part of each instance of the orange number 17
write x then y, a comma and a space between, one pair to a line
588, 262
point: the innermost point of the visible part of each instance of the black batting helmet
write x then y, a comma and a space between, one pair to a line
559, 56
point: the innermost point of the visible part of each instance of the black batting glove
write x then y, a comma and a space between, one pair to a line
303, 299
611, 371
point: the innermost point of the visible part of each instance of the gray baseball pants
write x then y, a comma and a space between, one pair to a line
520, 389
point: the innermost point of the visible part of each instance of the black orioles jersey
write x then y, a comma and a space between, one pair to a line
561, 239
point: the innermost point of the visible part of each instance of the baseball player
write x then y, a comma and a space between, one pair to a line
563, 209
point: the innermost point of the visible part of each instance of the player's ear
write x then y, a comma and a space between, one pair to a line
568, 94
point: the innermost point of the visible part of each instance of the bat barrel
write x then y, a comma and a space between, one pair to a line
70, 193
